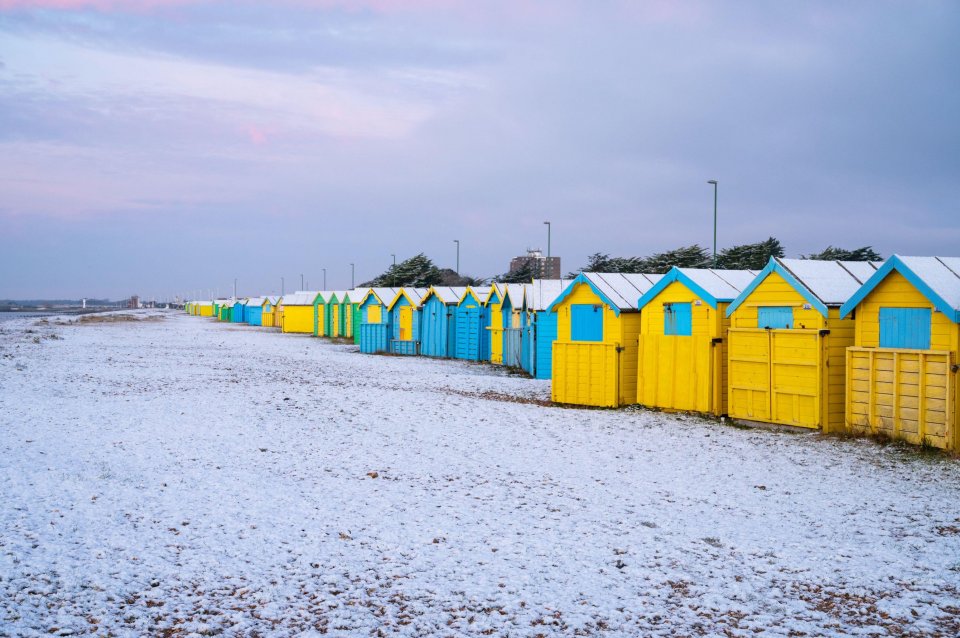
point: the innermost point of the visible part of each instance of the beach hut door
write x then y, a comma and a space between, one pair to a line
406, 323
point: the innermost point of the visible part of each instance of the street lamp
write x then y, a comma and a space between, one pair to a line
324, 278
714, 182
457, 242
548, 238
301, 282
352, 271
234, 287
393, 273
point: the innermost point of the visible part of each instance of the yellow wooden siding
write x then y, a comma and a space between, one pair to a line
496, 333
348, 322
406, 323
683, 372
374, 314
903, 394
321, 320
584, 373
266, 319
841, 337
206, 311
775, 291
335, 320
298, 319
605, 371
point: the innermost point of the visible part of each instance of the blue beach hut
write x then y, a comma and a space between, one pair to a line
254, 311
539, 327
470, 326
438, 321
404, 316
239, 314
374, 328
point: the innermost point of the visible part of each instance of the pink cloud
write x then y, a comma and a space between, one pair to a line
257, 135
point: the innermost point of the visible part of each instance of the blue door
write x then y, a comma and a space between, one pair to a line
677, 319
905, 328
774, 317
586, 322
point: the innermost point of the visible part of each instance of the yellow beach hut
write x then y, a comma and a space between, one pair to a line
787, 344
268, 314
297, 312
598, 325
902, 379
683, 325
205, 308
504, 304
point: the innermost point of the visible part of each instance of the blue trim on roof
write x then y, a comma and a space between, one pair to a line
775, 266
583, 279
675, 274
895, 263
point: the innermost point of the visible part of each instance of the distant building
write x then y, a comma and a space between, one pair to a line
542, 267
133, 302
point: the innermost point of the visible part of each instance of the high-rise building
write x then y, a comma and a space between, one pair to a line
542, 267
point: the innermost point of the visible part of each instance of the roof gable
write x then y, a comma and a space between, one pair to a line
820, 283
620, 291
470, 292
413, 296
936, 278
712, 286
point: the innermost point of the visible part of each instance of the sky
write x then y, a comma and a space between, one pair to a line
168, 148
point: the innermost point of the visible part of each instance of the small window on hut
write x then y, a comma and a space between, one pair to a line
905, 328
586, 322
677, 319
774, 317
373, 314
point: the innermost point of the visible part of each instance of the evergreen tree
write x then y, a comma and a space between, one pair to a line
866, 253
522, 275
418, 272
694, 256
749, 256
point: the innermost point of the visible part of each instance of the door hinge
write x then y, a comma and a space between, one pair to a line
716, 340
621, 348
824, 333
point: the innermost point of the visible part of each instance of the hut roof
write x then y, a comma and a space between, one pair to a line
821, 283
413, 295
300, 298
382, 295
937, 279
446, 294
542, 292
713, 286
255, 301
273, 299
620, 291
514, 292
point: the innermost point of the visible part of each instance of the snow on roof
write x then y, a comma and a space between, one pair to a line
300, 298
622, 289
255, 301
515, 293
449, 294
723, 285
832, 282
937, 278
542, 292
942, 274
385, 295
414, 295
272, 298
229, 303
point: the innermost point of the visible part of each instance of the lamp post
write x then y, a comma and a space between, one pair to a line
352, 271
301, 281
324, 278
548, 239
457, 242
234, 287
393, 273
714, 182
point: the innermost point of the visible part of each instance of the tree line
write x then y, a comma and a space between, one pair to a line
419, 271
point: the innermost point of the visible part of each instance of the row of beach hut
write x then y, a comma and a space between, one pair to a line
842, 347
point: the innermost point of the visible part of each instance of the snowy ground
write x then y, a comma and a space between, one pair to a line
178, 476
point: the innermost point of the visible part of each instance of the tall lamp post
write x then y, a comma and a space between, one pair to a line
714, 182
324, 278
393, 273
548, 238
234, 287
352, 271
301, 281
457, 242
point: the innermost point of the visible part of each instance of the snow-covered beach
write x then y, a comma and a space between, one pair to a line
177, 476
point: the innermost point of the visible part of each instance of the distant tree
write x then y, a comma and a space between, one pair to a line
830, 253
694, 256
600, 262
522, 275
418, 271
449, 277
749, 256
